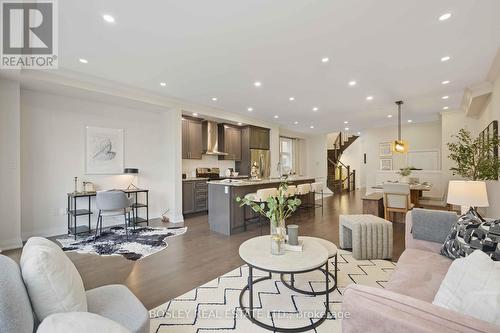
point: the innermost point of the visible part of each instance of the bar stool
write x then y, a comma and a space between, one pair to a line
318, 187
260, 197
291, 191
112, 203
303, 191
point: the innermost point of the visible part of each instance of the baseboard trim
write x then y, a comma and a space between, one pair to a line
10, 244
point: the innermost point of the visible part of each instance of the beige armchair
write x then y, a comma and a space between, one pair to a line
396, 199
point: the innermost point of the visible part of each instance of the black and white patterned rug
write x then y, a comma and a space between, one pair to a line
214, 307
142, 242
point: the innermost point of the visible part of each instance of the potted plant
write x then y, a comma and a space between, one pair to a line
277, 209
404, 174
473, 157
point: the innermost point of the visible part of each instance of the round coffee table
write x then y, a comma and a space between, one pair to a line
332, 253
256, 253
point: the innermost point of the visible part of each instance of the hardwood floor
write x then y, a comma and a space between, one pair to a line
200, 255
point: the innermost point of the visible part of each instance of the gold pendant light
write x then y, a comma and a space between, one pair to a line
399, 146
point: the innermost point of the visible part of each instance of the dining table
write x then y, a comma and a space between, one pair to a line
416, 191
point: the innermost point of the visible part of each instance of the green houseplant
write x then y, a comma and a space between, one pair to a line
473, 157
277, 209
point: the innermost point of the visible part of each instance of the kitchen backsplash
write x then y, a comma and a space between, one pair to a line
207, 161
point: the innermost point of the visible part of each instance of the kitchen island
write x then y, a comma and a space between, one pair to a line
225, 214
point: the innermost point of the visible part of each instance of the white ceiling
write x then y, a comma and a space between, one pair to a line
219, 48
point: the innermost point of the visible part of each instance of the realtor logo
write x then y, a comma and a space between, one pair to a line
29, 34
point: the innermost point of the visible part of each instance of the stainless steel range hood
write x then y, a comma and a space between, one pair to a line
210, 137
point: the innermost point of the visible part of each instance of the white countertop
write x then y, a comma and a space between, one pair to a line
248, 182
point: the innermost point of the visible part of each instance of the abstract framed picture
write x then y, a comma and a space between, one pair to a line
103, 151
386, 164
385, 149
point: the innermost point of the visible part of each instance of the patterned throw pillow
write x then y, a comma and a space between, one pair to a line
469, 233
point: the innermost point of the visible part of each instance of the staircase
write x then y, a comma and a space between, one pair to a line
340, 176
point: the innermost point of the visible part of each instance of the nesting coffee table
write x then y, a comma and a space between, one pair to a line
256, 254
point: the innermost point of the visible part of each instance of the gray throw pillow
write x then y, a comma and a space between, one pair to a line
469, 233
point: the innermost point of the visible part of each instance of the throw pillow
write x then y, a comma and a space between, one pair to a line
469, 233
79, 322
471, 287
53, 283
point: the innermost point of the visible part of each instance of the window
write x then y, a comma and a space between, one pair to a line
286, 155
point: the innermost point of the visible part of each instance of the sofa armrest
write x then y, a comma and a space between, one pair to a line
412, 243
368, 309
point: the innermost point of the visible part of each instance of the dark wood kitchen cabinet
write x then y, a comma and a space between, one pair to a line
258, 137
194, 196
191, 139
230, 142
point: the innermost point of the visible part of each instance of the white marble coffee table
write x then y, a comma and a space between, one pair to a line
256, 252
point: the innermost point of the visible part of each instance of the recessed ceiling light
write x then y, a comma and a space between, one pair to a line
359, 133
410, 121
315, 108
250, 109
312, 126
108, 18
83, 61
389, 116
445, 97
444, 17
346, 122
369, 98
239, 124
214, 99
163, 84
445, 107
346, 129
291, 99
295, 122
276, 117
446, 58
257, 83
352, 83
325, 59
445, 82
195, 114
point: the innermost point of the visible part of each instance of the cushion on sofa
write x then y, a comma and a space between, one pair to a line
79, 322
53, 283
472, 287
419, 274
16, 315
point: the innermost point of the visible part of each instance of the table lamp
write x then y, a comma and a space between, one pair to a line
468, 194
134, 172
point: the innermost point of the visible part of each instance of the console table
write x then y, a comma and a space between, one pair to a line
74, 212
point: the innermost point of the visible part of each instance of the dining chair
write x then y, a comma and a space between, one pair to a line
113, 203
396, 198
436, 203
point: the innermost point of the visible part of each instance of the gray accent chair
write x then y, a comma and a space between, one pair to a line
113, 203
115, 302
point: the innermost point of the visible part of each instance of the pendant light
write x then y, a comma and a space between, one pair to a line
399, 145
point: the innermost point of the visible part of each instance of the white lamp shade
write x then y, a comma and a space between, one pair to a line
468, 193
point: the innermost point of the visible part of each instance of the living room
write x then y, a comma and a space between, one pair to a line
286, 166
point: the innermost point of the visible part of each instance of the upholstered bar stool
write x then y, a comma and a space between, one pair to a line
291, 191
303, 191
318, 188
259, 197
112, 203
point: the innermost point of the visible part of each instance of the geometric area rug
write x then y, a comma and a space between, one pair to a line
141, 242
214, 306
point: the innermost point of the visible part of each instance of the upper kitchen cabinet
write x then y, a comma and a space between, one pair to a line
230, 142
191, 139
258, 137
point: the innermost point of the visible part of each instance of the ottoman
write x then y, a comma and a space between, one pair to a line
369, 236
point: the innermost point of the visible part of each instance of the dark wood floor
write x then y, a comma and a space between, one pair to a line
200, 255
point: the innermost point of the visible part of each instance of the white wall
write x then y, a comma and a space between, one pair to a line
419, 136
353, 157
10, 161
52, 153
316, 150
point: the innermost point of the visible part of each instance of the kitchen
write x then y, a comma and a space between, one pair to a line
222, 159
